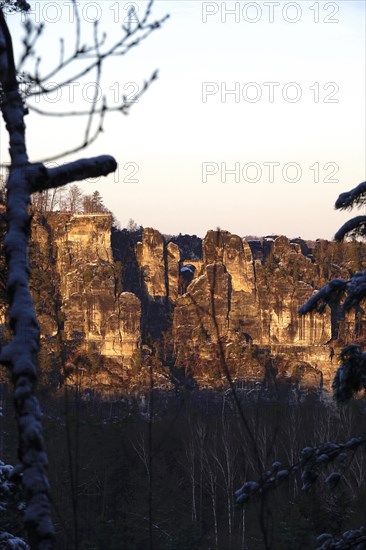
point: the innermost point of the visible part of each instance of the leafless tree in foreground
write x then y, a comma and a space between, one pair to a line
25, 178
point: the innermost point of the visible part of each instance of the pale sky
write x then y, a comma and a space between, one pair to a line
256, 124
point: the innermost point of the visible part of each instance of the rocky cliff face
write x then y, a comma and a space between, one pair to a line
77, 287
256, 305
111, 309
150, 255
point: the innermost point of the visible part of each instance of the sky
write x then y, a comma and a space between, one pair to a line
256, 124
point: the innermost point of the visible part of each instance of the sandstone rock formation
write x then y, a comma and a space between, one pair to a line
83, 300
173, 262
150, 256
141, 299
256, 305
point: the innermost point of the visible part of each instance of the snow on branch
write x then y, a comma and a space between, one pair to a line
356, 227
329, 294
45, 178
350, 378
9, 541
355, 197
330, 459
20, 354
355, 538
356, 291
14, 5
311, 462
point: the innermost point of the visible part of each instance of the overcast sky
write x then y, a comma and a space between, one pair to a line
256, 124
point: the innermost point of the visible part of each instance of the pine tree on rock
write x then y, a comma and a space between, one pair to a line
97, 202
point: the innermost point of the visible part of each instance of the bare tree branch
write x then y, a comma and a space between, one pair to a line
123, 108
95, 55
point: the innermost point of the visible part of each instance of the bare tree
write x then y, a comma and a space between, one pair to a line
211, 471
41, 201
26, 178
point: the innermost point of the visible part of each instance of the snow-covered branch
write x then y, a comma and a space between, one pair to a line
311, 462
10, 503
355, 197
355, 539
20, 354
43, 178
356, 291
329, 294
356, 227
350, 378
